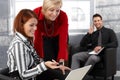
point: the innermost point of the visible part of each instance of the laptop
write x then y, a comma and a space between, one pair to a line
93, 52
78, 74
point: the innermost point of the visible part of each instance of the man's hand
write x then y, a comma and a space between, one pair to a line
97, 48
91, 30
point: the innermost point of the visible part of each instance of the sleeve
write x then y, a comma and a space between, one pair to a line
20, 52
63, 37
113, 42
86, 40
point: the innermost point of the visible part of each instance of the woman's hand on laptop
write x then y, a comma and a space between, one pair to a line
63, 68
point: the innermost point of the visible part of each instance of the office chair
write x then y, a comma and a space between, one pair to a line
4, 74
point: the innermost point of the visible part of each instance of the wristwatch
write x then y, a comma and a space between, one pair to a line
61, 63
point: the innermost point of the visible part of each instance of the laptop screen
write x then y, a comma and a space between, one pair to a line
78, 74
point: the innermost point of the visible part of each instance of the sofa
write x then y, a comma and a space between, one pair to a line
106, 68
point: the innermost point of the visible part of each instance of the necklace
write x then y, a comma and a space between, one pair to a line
48, 29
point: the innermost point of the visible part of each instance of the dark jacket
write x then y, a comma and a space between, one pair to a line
90, 41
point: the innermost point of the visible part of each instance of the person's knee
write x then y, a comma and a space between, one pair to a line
75, 56
94, 58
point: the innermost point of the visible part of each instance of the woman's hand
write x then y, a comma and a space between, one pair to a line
63, 68
52, 64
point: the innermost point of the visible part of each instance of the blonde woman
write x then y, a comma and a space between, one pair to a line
51, 35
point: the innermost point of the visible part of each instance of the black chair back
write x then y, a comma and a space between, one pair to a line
4, 74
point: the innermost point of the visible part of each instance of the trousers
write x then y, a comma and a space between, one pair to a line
52, 74
87, 59
51, 47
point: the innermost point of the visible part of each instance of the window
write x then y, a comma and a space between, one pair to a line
17, 5
4, 16
79, 12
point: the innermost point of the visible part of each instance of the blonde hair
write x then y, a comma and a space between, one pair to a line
50, 3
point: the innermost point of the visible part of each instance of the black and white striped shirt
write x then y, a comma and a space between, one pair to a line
20, 58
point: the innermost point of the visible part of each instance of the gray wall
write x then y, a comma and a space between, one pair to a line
110, 10
4, 28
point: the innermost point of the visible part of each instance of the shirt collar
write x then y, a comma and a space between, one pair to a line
24, 39
101, 29
20, 36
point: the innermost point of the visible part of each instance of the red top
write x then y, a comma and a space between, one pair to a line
60, 28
